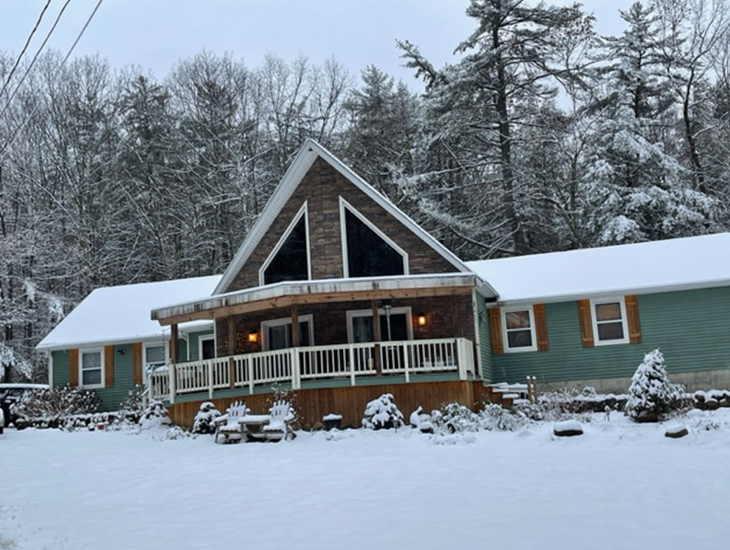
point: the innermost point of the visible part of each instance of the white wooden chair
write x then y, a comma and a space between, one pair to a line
229, 424
279, 426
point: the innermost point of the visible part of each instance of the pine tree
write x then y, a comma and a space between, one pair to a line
651, 395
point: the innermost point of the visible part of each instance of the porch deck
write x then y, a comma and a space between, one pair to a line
346, 362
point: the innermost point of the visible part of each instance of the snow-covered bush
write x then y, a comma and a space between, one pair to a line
455, 418
53, 405
382, 413
204, 422
495, 417
651, 395
132, 407
154, 416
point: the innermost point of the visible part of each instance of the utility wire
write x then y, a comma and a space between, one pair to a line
70, 51
32, 62
25, 47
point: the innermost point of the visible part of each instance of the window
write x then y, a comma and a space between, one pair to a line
154, 355
609, 321
277, 333
395, 327
206, 347
519, 329
92, 369
289, 261
367, 251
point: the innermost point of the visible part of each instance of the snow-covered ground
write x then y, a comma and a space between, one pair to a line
618, 486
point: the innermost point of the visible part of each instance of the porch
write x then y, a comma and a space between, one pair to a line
298, 368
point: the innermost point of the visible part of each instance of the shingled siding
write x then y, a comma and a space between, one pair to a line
485, 344
109, 398
446, 317
321, 187
691, 328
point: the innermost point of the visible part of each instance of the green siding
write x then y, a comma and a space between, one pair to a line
110, 398
485, 343
194, 343
691, 328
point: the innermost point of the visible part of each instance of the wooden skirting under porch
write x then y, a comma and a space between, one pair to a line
349, 401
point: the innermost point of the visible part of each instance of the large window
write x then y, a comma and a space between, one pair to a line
92, 368
519, 329
290, 259
206, 346
154, 355
278, 334
367, 251
609, 321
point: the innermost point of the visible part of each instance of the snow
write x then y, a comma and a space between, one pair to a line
122, 313
673, 264
620, 486
568, 426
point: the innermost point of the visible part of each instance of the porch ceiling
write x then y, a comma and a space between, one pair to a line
289, 293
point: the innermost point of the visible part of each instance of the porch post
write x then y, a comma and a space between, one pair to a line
231, 335
376, 337
173, 343
295, 326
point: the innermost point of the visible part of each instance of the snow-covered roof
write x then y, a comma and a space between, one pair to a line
659, 266
120, 314
299, 167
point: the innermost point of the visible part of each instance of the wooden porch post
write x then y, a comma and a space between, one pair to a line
295, 326
173, 343
231, 348
376, 337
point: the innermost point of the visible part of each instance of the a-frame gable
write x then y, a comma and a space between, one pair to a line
320, 180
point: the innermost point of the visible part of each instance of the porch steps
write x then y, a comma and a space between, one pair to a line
506, 395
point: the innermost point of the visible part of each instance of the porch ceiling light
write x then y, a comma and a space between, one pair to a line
253, 337
421, 319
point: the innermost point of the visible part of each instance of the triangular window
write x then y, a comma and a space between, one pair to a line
368, 252
290, 259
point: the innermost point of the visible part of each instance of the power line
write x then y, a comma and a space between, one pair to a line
70, 51
25, 47
35, 57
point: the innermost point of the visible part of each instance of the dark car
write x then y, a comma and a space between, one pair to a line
10, 394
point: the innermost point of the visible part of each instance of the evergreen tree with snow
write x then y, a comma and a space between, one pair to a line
382, 413
651, 395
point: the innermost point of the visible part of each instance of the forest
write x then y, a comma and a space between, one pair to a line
541, 135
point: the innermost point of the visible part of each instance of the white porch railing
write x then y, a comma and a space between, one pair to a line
316, 362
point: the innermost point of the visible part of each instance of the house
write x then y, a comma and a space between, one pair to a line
337, 294
108, 341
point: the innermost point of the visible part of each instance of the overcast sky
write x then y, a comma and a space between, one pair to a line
155, 34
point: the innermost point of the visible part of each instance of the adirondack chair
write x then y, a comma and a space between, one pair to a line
229, 424
279, 426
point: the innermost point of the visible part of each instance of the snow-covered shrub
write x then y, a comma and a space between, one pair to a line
52, 405
382, 413
132, 407
154, 416
204, 422
651, 395
455, 418
495, 417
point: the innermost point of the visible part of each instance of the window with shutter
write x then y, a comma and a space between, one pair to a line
91, 368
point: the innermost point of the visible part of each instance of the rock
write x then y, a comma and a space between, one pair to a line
725, 402
568, 428
676, 431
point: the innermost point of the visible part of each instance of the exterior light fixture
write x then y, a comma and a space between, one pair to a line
421, 320
253, 337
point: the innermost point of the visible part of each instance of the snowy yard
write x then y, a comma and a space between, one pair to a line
618, 486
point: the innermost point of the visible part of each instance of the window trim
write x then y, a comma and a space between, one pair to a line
624, 321
102, 383
303, 211
343, 238
309, 318
146, 345
351, 313
202, 338
533, 333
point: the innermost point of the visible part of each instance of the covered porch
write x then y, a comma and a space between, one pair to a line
315, 334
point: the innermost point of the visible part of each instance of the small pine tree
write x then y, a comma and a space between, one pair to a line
381, 413
651, 395
204, 422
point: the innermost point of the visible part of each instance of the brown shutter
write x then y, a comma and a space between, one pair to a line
538, 311
495, 330
586, 323
632, 319
108, 366
137, 363
73, 367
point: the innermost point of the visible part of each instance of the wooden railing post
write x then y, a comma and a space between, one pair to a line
463, 358
231, 373
172, 383
296, 382
406, 361
210, 378
351, 351
249, 368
